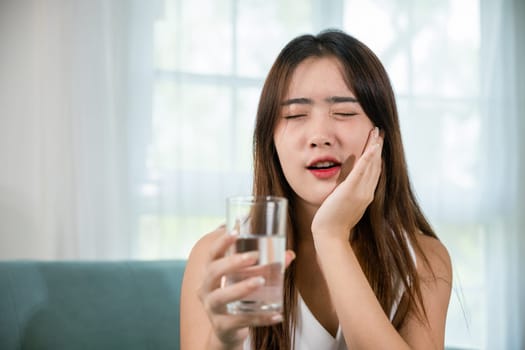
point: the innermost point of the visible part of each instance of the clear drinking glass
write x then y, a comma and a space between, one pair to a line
260, 225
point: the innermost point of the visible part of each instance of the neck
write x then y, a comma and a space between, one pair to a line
309, 279
304, 214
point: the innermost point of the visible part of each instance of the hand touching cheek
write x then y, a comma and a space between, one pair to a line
345, 206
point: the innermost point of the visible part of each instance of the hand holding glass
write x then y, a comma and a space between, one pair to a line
260, 225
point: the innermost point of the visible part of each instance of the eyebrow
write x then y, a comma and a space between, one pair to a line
341, 99
308, 101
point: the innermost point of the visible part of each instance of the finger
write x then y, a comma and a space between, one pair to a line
372, 138
372, 154
226, 265
369, 165
217, 300
289, 257
360, 169
221, 245
364, 176
372, 175
371, 157
375, 161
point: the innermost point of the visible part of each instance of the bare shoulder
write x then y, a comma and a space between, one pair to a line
435, 272
439, 265
201, 250
191, 311
204, 244
197, 262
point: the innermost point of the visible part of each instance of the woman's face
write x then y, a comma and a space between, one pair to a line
321, 124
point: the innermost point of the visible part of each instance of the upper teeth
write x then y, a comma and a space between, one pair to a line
324, 164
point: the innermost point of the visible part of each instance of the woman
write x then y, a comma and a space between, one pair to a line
369, 272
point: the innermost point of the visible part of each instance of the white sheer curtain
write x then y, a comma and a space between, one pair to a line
63, 133
124, 124
503, 105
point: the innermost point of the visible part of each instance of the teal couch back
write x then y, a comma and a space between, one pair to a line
90, 305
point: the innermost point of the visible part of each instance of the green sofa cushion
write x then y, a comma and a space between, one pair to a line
90, 305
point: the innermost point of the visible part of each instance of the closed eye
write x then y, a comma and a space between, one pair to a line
346, 114
294, 116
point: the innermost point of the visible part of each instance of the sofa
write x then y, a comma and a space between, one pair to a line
132, 305
90, 305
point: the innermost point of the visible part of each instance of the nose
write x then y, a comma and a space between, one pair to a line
321, 132
320, 141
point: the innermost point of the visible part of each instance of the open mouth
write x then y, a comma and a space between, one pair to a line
324, 169
325, 165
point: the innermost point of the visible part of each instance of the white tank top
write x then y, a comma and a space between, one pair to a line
311, 335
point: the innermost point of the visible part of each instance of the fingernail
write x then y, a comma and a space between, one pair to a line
292, 254
376, 132
253, 255
277, 318
258, 281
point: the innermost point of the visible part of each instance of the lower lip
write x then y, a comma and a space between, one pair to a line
325, 173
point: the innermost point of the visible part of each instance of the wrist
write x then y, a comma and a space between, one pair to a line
215, 343
329, 240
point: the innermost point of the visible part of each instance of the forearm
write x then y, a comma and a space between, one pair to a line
361, 317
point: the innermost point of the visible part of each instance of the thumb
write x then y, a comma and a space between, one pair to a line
290, 256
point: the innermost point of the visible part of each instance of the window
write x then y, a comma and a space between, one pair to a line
209, 67
431, 51
210, 60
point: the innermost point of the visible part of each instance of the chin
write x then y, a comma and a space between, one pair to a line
313, 194
312, 199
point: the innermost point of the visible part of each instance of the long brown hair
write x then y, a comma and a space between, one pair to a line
383, 238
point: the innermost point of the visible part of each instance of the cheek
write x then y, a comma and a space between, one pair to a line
278, 138
283, 153
282, 139
284, 145
356, 143
360, 143
280, 148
